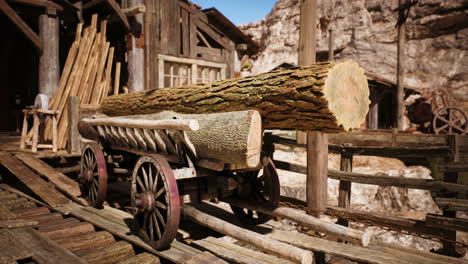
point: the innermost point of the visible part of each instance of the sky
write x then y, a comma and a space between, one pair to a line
240, 11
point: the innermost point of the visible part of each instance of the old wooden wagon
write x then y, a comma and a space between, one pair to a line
168, 169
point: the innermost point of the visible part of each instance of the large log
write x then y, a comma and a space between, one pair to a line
233, 138
329, 96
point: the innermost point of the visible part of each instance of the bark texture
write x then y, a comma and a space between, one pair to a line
234, 138
329, 97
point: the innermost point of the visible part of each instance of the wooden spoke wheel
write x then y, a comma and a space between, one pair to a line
450, 120
155, 201
262, 187
93, 175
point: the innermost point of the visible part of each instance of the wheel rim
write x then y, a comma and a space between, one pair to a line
450, 120
155, 201
266, 189
93, 175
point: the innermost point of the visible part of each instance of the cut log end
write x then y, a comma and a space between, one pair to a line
347, 93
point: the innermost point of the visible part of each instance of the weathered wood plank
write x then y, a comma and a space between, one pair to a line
44, 249
5, 213
144, 258
17, 223
237, 253
352, 252
11, 249
452, 204
262, 242
108, 254
61, 181
455, 224
116, 224
40, 187
382, 180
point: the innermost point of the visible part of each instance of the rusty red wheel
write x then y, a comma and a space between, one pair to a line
262, 187
155, 201
93, 175
450, 120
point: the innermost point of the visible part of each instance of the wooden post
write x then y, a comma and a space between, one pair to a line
448, 248
344, 189
307, 42
400, 69
147, 37
73, 145
49, 60
331, 42
317, 143
373, 117
136, 53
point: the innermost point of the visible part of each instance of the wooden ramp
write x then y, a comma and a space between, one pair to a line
51, 237
33, 181
61, 181
117, 223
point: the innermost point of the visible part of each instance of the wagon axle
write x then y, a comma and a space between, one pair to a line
146, 201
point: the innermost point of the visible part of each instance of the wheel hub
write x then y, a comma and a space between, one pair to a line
146, 201
87, 175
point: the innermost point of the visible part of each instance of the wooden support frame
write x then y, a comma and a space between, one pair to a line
31, 138
22, 26
122, 17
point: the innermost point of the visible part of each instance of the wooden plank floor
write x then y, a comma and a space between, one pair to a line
55, 238
33, 181
116, 222
61, 181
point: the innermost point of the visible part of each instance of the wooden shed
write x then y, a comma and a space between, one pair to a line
160, 43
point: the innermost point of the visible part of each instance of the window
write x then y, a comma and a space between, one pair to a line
174, 71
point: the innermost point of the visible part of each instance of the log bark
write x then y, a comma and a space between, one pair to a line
329, 97
233, 138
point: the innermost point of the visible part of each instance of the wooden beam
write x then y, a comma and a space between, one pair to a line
400, 69
41, 3
452, 204
344, 188
134, 10
122, 17
317, 166
91, 4
455, 224
260, 241
381, 180
22, 26
49, 65
227, 44
345, 233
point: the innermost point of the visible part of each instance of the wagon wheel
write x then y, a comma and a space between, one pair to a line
93, 175
155, 201
450, 120
264, 188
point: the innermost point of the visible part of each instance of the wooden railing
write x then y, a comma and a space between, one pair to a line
447, 152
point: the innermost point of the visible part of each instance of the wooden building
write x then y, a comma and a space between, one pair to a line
160, 43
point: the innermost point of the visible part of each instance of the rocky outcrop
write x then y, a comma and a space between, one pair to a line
364, 30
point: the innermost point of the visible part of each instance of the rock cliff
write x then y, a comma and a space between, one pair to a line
364, 30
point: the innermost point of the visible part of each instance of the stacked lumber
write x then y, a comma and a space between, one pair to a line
327, 97
87, 74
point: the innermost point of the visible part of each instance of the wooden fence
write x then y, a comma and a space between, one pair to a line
443, 154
